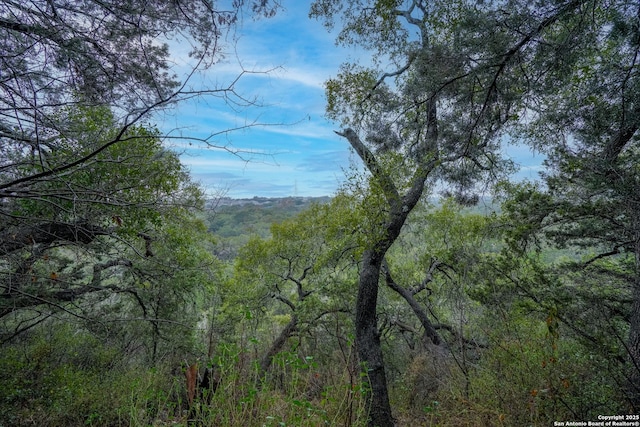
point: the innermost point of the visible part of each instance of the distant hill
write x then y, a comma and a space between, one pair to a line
234, 221
267, 201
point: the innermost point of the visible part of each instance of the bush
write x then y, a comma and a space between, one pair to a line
71, 379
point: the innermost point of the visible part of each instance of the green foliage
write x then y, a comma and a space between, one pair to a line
373, 26
302, 269
113, 240
301, 396
234, 223
351, 84
534, 359
72, 378
535, 303
536, 374
133, 180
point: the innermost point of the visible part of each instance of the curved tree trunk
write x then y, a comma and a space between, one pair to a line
366, 325
278, 344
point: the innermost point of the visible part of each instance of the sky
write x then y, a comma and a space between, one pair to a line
283, 146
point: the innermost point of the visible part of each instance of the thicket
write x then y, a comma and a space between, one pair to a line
509, 355
123, 301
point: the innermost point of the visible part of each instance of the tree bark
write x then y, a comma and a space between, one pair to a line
15, 298
50, 232
366, 325
429, 329
634, 336
634, 348
278, 344
368, 341
611, 154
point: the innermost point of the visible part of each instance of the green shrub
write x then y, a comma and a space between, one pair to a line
71, 379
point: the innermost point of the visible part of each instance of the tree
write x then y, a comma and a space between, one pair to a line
433, 267
59, 54
435, 115
110, 315
584, 115
300, 266
66, 62
100, 229
439, 255
80, 164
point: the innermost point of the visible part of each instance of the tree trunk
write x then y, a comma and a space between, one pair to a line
368, 341
367, 333
634, 336
278, 344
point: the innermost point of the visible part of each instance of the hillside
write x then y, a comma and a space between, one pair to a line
234, 221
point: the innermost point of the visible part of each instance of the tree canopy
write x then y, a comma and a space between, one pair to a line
65, 62
431, 289
448, 81
81, 164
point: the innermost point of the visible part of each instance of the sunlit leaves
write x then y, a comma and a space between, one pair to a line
137, 171
348, 94
372, 26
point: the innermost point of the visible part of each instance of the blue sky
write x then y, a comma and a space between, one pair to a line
286, 60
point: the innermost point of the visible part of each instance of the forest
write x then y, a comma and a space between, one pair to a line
432, 289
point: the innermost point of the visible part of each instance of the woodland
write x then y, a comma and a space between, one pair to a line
431, 289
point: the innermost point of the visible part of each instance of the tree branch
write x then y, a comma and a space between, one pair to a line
50, 232
429, 329
370, 161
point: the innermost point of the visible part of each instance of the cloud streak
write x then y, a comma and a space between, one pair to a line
283, 143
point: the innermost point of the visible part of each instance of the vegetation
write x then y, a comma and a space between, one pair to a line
127, 298
235, 221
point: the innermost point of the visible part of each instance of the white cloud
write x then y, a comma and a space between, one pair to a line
237, 165
309, 76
